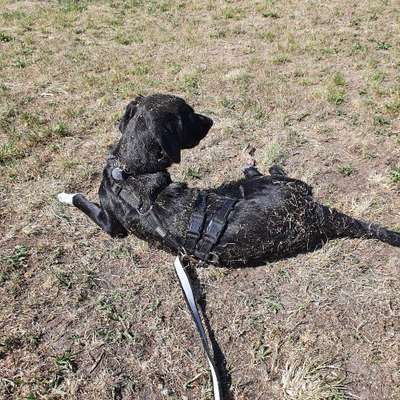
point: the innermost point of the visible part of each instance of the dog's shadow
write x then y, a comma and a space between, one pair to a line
219, 357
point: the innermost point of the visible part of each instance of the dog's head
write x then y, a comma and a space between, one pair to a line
155, 129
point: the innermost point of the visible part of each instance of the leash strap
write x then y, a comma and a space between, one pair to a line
190, 301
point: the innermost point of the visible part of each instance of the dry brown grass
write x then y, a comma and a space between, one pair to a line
314, 86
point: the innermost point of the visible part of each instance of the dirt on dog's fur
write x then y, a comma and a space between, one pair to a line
313, 86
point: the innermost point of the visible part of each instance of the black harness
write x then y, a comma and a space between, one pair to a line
200, 239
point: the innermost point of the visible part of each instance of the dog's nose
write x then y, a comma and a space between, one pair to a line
207, 122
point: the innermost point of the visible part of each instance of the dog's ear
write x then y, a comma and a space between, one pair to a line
168, 138
130, 111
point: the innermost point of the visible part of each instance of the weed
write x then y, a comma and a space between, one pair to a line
383, 46
395, 175
64, 279
140, 70
228, 103
335, 92
219, 34
358, 48
66, 361
338, 79
56, 381
18, 257
72, 5
335, 95
380, 120
5, 37
126, 39
378, 77
393, 106
192, 173
190, 83
232, 13
267, 36
262, 351
9, 152
60, 129
273, 304
279, 59
346, 170
274, 154
155, 7
20, 63
270, 14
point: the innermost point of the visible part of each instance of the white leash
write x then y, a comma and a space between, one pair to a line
188, 293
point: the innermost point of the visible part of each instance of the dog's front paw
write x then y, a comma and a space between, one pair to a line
66, 198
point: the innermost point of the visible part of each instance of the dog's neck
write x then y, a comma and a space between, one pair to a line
146, 185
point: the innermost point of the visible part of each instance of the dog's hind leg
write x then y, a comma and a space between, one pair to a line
249, 169
337, 224
276, 170
96, 213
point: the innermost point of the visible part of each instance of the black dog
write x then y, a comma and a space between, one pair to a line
242, 223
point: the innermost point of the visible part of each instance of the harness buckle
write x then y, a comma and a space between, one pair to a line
214, 229
196, 224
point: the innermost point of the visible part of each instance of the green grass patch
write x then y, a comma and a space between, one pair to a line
336, 95
394, 175
393, 107
380, 120
190, 83
193, 173
274, 154
10, 265
280, 59
9, 152
128, 38
268, 36
5, 37
66, 361
232, 13
60, 129
378, 77
383, 46
346, 170
338, 79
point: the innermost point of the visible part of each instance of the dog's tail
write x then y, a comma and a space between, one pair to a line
337, 224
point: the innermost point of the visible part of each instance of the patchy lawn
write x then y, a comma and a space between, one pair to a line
314, 86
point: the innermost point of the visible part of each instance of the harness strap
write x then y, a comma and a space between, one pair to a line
196, 224
149, 216
214, 230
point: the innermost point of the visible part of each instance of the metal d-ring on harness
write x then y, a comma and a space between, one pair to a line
198, 242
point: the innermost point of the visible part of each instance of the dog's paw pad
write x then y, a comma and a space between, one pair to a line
66, 198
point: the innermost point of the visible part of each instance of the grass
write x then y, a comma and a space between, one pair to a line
395, 175
346, 169
17, 258
336, 93
274, 154
87, 316
307, 381
9, 152
192, 173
